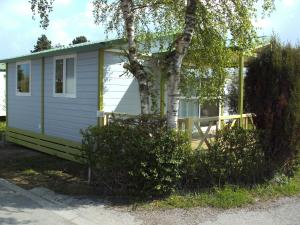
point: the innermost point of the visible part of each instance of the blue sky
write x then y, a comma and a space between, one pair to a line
71, 18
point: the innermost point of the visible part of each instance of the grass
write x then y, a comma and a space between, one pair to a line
230, 196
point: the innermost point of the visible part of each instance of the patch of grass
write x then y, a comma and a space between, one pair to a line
229, 196
29, 172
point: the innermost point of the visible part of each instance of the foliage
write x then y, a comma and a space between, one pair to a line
272, 91
185, 33
236, 157
233, 94
79, 39
42, 44
136, 156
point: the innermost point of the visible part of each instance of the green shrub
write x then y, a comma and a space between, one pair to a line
272, 88
236, 157
137, 156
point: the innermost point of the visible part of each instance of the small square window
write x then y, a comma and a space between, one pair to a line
23, 78
65, 81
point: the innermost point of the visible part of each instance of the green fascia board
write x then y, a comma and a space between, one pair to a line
88, 46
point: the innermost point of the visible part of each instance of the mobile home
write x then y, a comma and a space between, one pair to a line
53, 94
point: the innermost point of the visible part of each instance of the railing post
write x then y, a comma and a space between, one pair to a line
189, 127
241, 88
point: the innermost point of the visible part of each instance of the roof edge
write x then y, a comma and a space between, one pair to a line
117, 44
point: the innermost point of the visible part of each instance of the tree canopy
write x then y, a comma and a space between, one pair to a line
79, 39
192, 36
42, 44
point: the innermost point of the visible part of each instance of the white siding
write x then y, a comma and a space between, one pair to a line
64, 117
25, 111
121, 92
2, 94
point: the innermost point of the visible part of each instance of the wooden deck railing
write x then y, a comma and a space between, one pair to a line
202, 130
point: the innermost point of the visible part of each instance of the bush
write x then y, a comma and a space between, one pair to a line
236, 157
272, 88
137, 156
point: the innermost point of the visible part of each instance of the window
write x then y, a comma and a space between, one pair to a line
23, 78
65, 76
188, 108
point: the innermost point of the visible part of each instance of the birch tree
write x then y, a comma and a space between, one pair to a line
191, 36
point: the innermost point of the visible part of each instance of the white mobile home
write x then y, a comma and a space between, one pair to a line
53, 94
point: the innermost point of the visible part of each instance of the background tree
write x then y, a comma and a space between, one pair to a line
42, 44
79, 39
192, 36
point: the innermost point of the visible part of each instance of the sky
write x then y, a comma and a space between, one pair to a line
72, 18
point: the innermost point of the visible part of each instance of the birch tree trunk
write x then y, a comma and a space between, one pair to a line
174, 63
134, 66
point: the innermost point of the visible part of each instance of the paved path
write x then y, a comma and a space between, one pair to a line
16, 208
43, 207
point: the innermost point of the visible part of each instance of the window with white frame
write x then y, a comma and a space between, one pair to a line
188, 108
23, 78
65, 76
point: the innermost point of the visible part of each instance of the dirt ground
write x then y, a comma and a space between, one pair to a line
28, 169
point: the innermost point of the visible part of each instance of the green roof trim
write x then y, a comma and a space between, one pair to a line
87, 46
2, 67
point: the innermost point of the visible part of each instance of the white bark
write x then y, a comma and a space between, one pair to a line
134, 66
175, 59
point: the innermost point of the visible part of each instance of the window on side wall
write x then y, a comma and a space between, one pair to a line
65, 76
188, 108
23, 78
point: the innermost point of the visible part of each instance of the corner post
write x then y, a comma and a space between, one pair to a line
100, 85
241, 88
6, 94
43, 96
162, 94
189, 127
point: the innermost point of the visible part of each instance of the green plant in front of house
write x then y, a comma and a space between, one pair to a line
138, 156
236, 157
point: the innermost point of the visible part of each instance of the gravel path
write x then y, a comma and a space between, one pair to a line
285, 211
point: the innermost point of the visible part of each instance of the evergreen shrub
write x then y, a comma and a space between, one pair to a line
136, 156
272, 88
